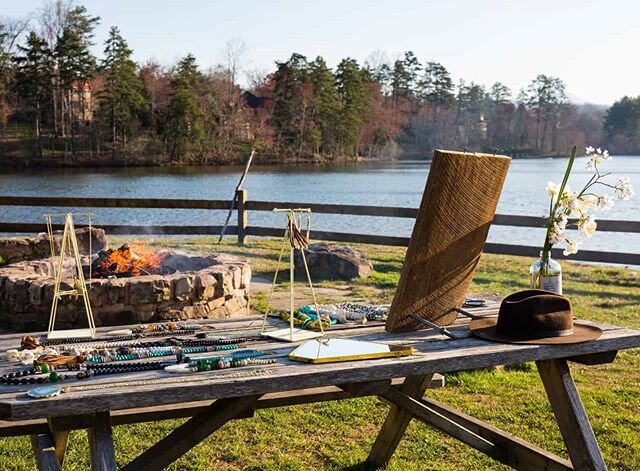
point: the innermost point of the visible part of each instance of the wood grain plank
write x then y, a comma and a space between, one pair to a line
71, 202
570, 414
101, 447
432, 355
431, 417
46, 459
60, 439
519, 454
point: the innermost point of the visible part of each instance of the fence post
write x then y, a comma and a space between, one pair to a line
241, 199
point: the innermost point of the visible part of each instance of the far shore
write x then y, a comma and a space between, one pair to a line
13, 163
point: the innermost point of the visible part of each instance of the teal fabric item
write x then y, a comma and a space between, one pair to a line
311, 312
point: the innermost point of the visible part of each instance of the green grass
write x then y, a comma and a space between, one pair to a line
339, 435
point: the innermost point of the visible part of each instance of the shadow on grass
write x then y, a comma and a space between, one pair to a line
389, 267
632, 298
479, 280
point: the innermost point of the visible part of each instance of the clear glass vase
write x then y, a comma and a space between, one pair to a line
545, 273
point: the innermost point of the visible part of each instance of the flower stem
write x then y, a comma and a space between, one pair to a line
547, 245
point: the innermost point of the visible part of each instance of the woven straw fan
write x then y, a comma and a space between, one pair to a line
455, 214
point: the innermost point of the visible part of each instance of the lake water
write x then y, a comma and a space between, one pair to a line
395, 183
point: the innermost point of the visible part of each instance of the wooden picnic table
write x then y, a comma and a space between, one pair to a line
399, 381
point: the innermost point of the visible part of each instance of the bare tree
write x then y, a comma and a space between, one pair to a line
11, 29
53, 17
256, 78
234, 52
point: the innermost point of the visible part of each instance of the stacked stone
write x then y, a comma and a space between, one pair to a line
217, 291
18, 249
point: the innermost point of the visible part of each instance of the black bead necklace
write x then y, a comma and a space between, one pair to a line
115, 338
20, 377
28, 376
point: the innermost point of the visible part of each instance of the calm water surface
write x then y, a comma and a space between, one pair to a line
397, 183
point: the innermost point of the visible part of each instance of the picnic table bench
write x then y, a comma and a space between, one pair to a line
399, 381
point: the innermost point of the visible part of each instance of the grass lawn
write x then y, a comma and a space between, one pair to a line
339, 435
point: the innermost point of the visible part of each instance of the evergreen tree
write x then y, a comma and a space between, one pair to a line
327, 107
412, 67
354, 91
123, 98
400, 81
622, 123
436, 85
185, 129
545, 95
33, 80
500, 93
404, 77
75, 65
293, 104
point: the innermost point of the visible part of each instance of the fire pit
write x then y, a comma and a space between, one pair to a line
130, 284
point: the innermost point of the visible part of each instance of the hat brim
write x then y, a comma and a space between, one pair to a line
485, 328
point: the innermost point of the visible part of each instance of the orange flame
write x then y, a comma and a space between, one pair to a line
136, 261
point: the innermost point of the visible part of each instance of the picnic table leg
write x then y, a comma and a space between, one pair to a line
46, 459
570, 414
101, 449
60, 439
396, 423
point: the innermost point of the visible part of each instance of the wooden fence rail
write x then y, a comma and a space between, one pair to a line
243, 229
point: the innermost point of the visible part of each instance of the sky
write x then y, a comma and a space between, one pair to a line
592, 45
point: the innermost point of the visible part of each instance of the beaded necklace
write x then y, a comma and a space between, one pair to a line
88, 348
136, 353
19, 377
39, 375
35, 375
153, 382
113, 338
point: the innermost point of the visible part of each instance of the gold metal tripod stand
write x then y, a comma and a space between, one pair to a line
69, 247
296, 241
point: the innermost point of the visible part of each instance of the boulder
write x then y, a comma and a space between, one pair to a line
333, 261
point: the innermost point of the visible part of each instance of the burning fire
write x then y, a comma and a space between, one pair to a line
128, 261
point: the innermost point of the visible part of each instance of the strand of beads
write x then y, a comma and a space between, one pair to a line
239, 354
224, 363
206, 342
20, 377
114, 338
164, 327
106, 369
137, 353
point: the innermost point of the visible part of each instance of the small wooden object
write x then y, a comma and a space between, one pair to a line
453, 221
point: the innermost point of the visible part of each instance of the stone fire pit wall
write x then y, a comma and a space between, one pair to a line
217, 288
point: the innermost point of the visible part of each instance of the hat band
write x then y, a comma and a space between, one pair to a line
524, 334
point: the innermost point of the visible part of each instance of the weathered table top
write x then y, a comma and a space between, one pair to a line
433, 353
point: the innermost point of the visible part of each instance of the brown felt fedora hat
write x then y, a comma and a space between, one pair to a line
534, 317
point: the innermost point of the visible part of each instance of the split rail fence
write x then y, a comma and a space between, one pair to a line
242, 229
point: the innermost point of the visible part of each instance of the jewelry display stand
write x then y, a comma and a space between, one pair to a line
296, 241
69, 248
